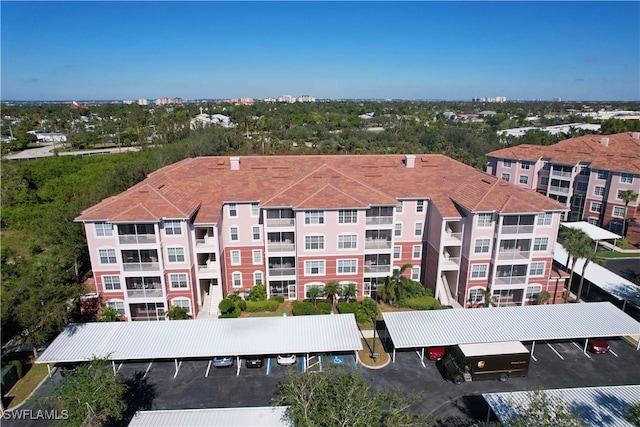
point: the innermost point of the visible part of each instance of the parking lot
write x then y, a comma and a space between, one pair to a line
558, 364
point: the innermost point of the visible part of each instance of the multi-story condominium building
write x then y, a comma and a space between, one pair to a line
197, 230
586, 174
287, 99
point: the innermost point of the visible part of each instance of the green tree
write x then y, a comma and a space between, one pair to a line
332, 289
590, 255
394, 285
342, 398
258, 293
542, 411
177, 312
543, 297
627, 196
633, 414
489, 300
350, 291
109, 314
315, 292
91, 395
578, 245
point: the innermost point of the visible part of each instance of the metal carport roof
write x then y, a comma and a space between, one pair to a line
416, 329
596, 233
595, 406
181, 339
259, 416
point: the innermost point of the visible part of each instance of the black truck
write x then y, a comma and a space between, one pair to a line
486, 361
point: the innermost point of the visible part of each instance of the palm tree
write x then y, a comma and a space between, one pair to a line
314, 293
578, 244
489, 298
394, 284
332, 289
350, 291
591, 256
627, 196
567, 236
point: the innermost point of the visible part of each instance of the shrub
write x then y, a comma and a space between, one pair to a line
420, 303
305, 308
242, 304
347, 307
177, 313
235, 313
226, 306
367, 309
325, 306
258, 293
278, 298
257, 306
19, 367
414, 289
234, 297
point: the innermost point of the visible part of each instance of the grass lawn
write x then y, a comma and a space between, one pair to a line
284, 308
615, 254
27, 384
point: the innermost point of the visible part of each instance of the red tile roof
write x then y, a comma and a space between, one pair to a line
622, 153
314, 182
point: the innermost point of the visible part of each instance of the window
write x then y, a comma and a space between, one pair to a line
397, 252
525, 165
255, 232
400, 207
582, 186
532, 292
540, 243
598, 190
416, 253
482, 246
313, 243
524, 179
593, 221
347, 241
234, 234
397, 231
476, 295
235, 257
485, 220
479, 271
307, 287
603, 174
544, 181
618, 212
348, 216
255, 209
596, 207
175, 254
626, 178
111, 283
103, 229
420, 206
545, 218
182, 302
107, 256
505, 176
313, 268
313, 217
117, 306
585, 171
418, 229
237, 279
172, 227
257, 256
347, 266
415, 273
178, 281
233, 209
506, 163
537, 269
257, 278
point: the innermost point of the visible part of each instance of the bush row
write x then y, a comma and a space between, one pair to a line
420, 303
307, 308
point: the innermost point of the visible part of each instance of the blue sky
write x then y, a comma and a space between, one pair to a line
418, 50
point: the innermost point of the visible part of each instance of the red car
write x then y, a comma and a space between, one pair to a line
598, 346
435, 353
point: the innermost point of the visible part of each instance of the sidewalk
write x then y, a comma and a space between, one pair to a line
612, 247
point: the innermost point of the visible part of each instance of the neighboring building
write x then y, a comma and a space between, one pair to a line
49, 136
306, 98
198, 230
585, 174
143, 101
287, 99
553, 130
202, 120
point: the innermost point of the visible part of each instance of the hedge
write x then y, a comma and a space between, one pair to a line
278, 298
420, 303
307, 308
235, 313
256, 306
347, 307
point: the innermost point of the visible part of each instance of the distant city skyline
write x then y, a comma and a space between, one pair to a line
581, 51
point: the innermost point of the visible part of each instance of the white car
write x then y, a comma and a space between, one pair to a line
286, 359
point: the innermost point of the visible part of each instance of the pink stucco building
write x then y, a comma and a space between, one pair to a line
197, 230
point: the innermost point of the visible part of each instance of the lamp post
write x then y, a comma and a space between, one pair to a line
374, 355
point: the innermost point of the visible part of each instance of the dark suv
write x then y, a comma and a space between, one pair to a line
254, 362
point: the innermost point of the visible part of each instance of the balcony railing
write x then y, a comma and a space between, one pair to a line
134, 239
280, 222
560, 173
141, 266
209, 242
517, 229
377, 268
377, 244
457, 237
510, 280
520, 255
144, 293
281, 247
284, 271
557, 189
207, 268
373, 220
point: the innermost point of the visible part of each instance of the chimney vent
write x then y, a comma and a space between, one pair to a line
410, 161
635, 135
235, 163
604, 141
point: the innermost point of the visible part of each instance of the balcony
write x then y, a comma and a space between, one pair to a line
513, 255
135, 239
376, 220
561, 173
449, 263
282, 271
208, 268
557, 189
281, 247
510, 280
280, 222
377, 244
517, 229
452, 239
144, 293
207, 242
141, 266
374, 268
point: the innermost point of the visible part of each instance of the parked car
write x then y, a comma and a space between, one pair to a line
598, 346
286, 359
223, 361
254, 362
435, 353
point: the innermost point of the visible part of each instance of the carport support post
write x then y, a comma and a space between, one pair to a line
586, 342
533, 346
48, 369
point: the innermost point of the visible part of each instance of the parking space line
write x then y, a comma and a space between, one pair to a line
119, 366
147, 370
206, 375
583, 350
554, 350
613, 352
178, 365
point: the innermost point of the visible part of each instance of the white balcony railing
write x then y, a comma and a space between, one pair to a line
141, 266
557, 189
510, 280
281, 247
517, 229
377, 244
280, 222
377, 268
144, 293
510, 255
134, 239
560, 173
453, 238
288, 271
207, 268
373, 220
